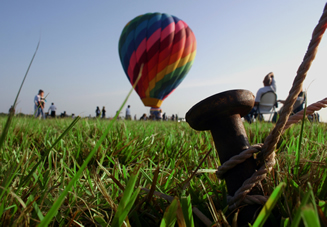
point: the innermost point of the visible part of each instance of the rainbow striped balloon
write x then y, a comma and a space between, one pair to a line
165, 45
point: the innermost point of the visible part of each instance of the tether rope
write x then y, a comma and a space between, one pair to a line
309, 110
266, 151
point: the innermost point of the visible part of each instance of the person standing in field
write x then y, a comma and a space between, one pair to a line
104, 112
128, 113
164, 117
52, 109
97, 112
39, 104
159, 116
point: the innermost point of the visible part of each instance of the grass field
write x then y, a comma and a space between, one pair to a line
135, 156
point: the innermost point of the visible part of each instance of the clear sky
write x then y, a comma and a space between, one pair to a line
238, 43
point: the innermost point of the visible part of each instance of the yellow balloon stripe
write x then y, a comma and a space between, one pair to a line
152, 102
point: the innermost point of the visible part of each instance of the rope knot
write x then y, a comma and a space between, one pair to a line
237, 159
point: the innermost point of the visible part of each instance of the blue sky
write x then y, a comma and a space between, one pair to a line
238, 43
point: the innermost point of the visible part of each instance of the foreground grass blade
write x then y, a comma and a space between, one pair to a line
313, 201
54, 209
309, 216
298, 150
12, 112
297, 218
170, 216
126, 202
187, 210
269, 206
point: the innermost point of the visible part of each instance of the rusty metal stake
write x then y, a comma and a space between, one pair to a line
221, 114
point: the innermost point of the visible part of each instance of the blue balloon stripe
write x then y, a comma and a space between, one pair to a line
154, 19
126, 43
141, 36
127, 50
153, 28
130, 46
141, 28
128, 28
167, 20
128, 54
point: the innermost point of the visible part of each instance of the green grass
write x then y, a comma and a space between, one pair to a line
35, 170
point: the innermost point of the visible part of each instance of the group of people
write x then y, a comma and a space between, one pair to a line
156, 114
39, 104
162, 117
98, 112
269, 85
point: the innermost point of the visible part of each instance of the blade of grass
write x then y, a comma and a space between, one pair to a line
12, 112
269, 206
53, 210
151, 180
297, 217
153, 185
309, 216
313, 201
180, 216
284, 222
322, 216
126, 202
100, 220
186, 182
187, 210
170, 216
297, 154
323, 190
32, 200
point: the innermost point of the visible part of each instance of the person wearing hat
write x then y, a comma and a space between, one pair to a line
269, 84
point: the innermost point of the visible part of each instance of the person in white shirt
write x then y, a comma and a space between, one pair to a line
52, 109
269, 84
128, 113
39, 104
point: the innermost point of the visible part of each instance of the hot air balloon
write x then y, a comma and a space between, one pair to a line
165, 45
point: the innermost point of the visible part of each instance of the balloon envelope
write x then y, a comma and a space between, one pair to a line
165, 45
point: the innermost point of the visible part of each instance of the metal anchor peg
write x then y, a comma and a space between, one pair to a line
221, 114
